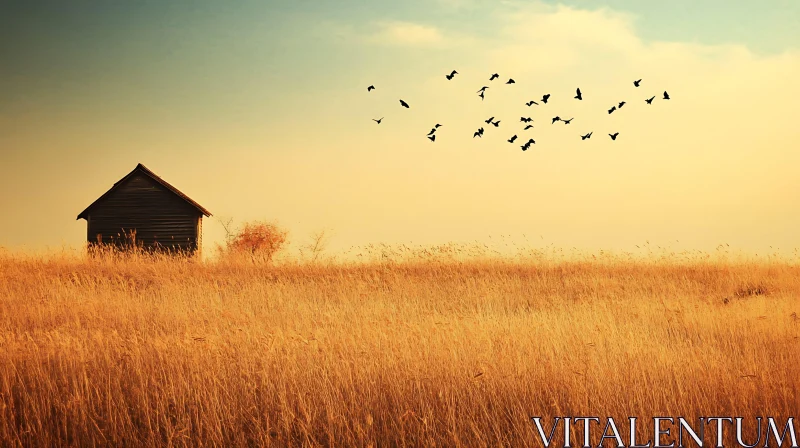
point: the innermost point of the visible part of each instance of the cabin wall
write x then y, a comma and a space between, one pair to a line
159, 217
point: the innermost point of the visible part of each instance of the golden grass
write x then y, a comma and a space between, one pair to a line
432, 352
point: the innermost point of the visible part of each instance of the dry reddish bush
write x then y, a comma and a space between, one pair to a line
258, 239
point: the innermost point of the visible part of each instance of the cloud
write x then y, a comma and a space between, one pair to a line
542, 39
406, 34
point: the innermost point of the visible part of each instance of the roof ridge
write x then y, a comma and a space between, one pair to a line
141, 168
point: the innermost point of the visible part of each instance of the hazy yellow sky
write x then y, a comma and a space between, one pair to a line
259, 110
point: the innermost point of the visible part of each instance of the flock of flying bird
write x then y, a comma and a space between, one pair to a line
527, 120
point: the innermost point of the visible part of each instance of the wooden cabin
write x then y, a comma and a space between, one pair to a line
143, 210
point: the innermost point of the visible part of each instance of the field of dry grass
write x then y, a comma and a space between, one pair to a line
421, 352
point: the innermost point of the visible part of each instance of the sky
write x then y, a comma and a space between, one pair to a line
258, 110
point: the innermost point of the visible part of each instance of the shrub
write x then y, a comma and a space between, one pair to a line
259, 240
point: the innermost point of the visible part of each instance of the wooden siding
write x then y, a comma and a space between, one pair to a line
159, 217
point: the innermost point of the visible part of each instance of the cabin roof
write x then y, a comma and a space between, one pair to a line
144, 170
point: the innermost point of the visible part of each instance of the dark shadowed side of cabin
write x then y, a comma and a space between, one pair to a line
143, 210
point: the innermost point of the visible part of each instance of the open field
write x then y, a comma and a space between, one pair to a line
143, 352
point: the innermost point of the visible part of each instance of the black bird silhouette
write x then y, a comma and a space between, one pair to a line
621, 103
584, 137
511, 140
432, 131
579, 96
496, 123
432, 137
568, 121
528, 144
450, 76
437, 125
480, 130
370, 88
556, 118
613, 108
482, 89
528, 127
649, 100
378, 120
666, 95
525, 119
404, 104
545, 98
510, 81
493, 77
614, 135
529, 103
481, 95
476, 134
636, 83
489, 120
